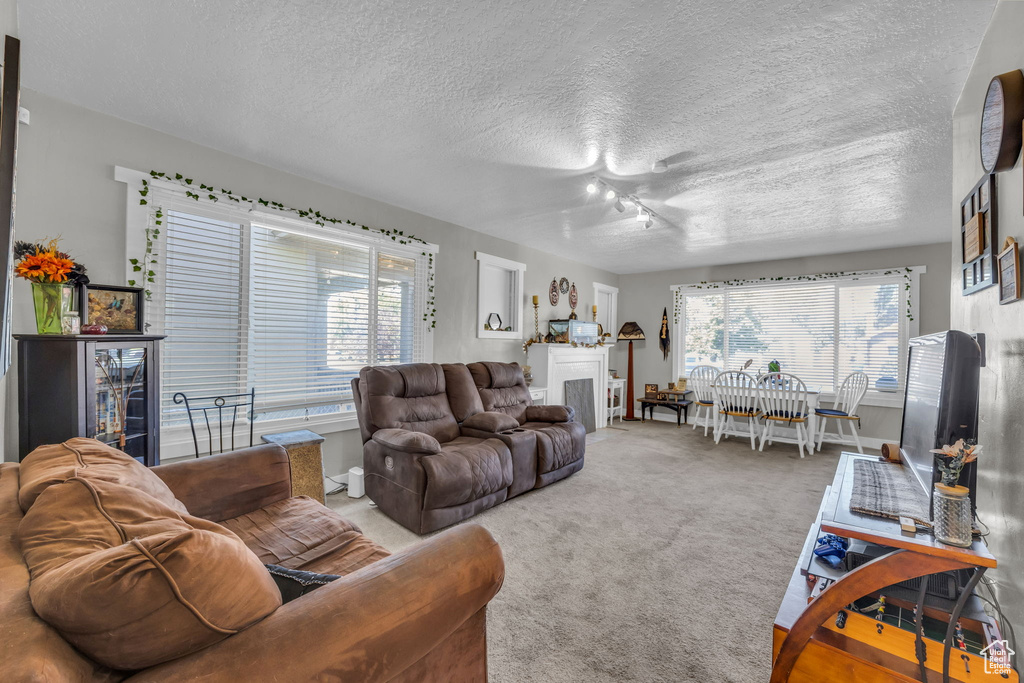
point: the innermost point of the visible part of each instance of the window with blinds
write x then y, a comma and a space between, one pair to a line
819, 331
292, 313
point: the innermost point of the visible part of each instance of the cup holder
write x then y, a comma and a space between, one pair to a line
518, 430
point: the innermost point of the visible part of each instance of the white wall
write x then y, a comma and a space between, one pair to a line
1001, 429
66, 163
643, 297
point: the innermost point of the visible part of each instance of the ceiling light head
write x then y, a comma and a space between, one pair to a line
610, 194
649, 223
660, 166
591, 187
619, 206
641, 215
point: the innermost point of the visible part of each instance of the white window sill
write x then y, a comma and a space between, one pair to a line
882, 399
176, 443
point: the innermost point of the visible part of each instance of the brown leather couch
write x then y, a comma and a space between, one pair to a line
444, 442
418, 615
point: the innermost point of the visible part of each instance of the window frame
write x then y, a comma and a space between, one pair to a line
908, 327
177, 441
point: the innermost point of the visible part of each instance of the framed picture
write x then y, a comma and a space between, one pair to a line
978, 238
1009, 274
119, 308
650, 391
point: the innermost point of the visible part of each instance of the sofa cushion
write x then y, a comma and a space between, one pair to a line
502, 388
300, 533
408, 397
491, 422
557, 444
467, 469
463, 396
132, 583
30, 649
92, 460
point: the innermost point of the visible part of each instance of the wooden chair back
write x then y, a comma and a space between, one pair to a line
700, 381
736, 392
851, 392
783, 396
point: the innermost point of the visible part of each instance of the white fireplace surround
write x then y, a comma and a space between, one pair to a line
553, 364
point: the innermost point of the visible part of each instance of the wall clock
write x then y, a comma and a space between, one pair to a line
1001, 120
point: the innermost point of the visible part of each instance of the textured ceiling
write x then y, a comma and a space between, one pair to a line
790, 128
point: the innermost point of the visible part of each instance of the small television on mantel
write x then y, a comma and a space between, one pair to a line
941, 403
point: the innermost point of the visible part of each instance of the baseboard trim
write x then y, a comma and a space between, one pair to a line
867, 441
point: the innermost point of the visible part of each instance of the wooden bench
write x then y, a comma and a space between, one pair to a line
680, 407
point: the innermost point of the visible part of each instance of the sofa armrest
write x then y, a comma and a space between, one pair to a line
491, 421
219, 487
407, 441
367, 626
549, 414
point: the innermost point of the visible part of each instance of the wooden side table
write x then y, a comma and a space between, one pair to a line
307, 461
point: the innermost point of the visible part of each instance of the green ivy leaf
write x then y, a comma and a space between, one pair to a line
133, 261
143, 202
136, 268
131, 283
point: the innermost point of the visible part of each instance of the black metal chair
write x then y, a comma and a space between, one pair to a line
220, 404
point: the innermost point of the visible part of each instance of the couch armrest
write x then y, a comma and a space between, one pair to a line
367, 626
549, 414
219, 487
407, 441
491, 421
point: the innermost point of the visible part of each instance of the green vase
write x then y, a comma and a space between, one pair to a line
52, 300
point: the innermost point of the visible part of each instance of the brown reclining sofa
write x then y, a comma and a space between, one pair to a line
444, 442
110, 571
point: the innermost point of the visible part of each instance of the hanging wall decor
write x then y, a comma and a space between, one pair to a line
663, 338
978, 234
563, 285
1009, 272
1001, 118
574, 298
553, 292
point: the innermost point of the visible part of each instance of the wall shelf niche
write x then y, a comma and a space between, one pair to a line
499, 295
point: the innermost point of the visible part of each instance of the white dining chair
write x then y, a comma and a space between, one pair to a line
784, 401
700, 381
844, 410
735, 396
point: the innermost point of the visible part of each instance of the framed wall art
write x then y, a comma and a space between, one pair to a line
119, 308
1009, 272
978, 269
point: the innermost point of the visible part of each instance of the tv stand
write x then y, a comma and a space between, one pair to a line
808, 643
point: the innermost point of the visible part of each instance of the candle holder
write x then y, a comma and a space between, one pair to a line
536, 322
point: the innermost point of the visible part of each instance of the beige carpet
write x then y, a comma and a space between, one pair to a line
664, 559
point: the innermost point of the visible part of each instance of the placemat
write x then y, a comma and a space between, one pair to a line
888, 490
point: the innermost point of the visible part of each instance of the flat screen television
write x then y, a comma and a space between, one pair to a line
941, 403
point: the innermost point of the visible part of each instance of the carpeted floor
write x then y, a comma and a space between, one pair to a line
664, 559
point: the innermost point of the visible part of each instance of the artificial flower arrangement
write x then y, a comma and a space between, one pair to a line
54, 275
953, 458
43, 263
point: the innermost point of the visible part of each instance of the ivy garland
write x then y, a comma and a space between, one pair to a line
905, 272
147, 263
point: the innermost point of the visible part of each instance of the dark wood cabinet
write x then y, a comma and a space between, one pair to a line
72, 385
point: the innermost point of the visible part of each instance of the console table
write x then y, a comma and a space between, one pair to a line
811, 640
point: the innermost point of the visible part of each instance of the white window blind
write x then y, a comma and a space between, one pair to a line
292, 312
820, 331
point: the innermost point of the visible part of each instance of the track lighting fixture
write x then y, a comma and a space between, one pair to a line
643, 214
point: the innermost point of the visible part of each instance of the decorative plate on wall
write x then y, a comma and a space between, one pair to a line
1001, 120
553, 292
563, 285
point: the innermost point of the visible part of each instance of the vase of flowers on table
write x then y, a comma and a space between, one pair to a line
53, 275
951, 505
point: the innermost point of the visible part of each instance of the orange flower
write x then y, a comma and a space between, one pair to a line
44, 266
32, 267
